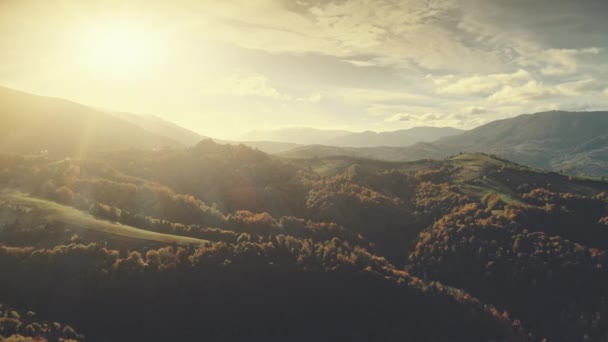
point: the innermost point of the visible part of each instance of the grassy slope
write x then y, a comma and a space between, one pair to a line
51, 211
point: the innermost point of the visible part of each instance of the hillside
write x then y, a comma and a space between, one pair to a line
31, 124
294, 259
307, 229
159, 126
545, 140
31, 211
404, 137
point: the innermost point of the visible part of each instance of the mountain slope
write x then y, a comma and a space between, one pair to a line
572, 142
31, 123
544, 140
397, 138
162, 127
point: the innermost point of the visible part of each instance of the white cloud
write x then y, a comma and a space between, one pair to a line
254, 85
581, 87
532, 90
475, 110
562, 61
399, 118
536, 90
359, 63
388, 32
417, 119
479, 84
314, 98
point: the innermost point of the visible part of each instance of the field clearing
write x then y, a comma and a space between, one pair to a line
52, 211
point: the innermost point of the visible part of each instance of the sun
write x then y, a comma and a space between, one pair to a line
120, 48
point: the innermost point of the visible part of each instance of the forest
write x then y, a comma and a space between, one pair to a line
223, 242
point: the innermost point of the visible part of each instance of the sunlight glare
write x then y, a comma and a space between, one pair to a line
120, 49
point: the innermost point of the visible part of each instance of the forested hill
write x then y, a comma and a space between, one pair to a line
472, 247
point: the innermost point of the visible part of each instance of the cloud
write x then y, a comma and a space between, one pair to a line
479, 84
424, 118
581, 87
359, 63
536, 90
255, 85
417, 119
399, 118
563, 61
314, 98
474, 110
379, 98
532, 90
391, 33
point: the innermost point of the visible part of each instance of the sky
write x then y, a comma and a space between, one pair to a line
222, 68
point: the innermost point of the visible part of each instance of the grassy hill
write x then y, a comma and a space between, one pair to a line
35, 211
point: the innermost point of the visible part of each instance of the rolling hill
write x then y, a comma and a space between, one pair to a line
31, 124
343, 234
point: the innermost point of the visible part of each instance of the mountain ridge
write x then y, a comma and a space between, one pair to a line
33, 123
397, 138
572, 142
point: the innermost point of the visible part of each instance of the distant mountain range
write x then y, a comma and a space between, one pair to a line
294, 135
312, 136
572, 142
400, 138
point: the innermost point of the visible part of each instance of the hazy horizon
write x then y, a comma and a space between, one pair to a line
223, 69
